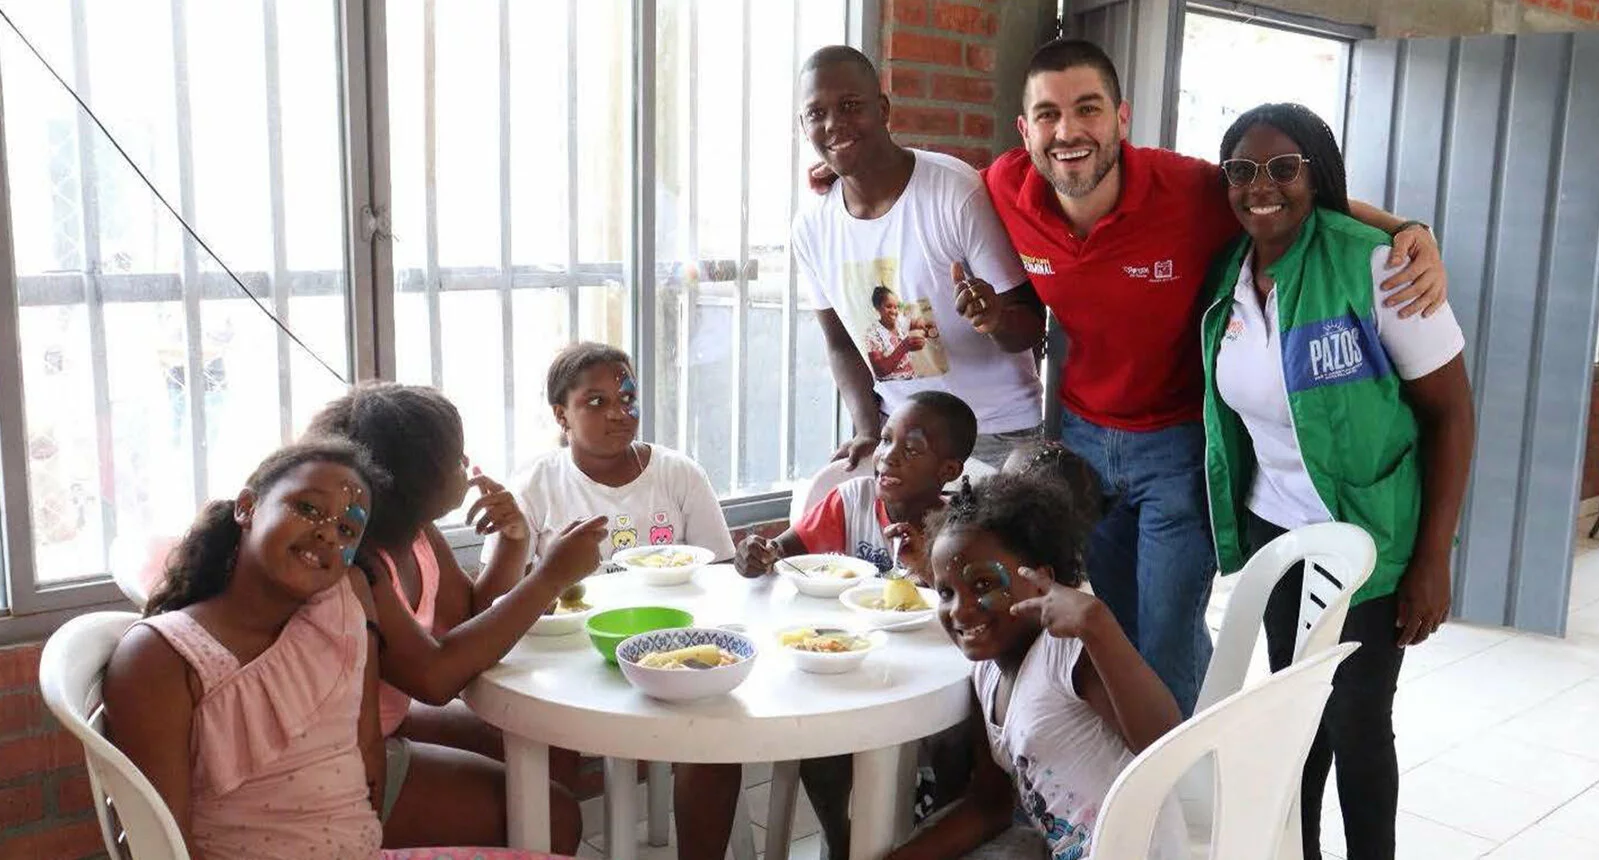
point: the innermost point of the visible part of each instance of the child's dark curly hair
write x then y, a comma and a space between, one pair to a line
414, 433
1050, 459
1039, 520
201, 565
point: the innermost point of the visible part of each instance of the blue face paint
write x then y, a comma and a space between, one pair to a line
629, 390
1000, 597
349, 556
357, 513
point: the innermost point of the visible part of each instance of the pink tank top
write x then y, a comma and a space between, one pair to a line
392, 703
277, 768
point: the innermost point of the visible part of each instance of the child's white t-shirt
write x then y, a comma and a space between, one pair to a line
1061, 756
672, 502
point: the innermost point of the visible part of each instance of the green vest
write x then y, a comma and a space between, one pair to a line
1356, 433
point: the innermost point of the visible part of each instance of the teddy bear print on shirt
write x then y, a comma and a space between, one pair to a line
661, 530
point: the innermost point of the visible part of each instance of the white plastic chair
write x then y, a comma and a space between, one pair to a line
1259, 738
69, 677
1338, 559
809, 492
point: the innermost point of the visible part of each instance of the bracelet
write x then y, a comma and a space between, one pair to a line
1407, 225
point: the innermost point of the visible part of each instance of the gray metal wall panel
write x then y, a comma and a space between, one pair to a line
1489, 137
1371, 113
1566, 344
1472, 138
1421, 96
1509, 333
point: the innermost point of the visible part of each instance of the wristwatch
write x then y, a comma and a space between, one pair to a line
1407, 225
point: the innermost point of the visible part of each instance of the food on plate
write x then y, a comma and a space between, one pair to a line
833, 569
832, 642
662, 558
570, 601
692, 657
899, 595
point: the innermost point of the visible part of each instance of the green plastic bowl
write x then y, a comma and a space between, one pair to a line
607, 629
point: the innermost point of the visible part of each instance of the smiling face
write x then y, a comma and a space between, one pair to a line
912, 460
976, 580
888, 312
601, 411
303, 531
844, 114
1072, 129
1271, 211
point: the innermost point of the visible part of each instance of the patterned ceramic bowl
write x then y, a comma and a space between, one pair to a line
686, 683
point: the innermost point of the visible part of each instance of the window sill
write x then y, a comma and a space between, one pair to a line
741, 513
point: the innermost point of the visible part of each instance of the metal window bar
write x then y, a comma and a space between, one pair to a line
430, 152
786, 455
364, 67
507, 277
193, 329
89, 207
280, 248
741, 286
573, 318
643, 279
689, 297
16, 536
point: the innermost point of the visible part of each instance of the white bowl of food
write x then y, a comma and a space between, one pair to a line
671, 564
827, 649
567, 615
686, 663
886, 602
825, 574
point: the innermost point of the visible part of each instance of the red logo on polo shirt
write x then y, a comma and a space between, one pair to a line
1162, 271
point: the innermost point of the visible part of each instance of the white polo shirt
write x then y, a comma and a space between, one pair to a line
1249, 377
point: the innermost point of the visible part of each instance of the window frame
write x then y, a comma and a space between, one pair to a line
29, 607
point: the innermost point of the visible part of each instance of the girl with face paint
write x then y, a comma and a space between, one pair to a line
253, 673
1063, 701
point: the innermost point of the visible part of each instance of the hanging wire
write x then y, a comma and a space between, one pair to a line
163, 200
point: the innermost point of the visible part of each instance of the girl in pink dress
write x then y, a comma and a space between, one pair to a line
246, 696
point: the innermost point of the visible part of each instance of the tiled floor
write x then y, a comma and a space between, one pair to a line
1498, 746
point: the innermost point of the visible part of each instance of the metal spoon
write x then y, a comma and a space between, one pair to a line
794, 567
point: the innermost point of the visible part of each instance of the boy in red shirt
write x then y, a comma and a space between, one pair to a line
923, 446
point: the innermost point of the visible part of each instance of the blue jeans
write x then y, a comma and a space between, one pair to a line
1151, 558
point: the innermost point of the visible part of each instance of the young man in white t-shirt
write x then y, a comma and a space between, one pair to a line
914, 229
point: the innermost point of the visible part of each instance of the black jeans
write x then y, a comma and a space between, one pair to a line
1357, 728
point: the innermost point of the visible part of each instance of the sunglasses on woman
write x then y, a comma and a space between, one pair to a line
1282, 169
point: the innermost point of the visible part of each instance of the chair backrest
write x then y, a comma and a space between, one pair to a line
70, 670
1338, 559
1259, 738
808, 493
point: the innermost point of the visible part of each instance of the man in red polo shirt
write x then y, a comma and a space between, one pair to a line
1116, 240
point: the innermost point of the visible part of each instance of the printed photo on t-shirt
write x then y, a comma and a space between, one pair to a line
897, 335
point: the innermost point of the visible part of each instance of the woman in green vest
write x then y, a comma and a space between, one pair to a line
1323, 405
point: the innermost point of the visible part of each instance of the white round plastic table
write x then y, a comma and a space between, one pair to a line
558, 691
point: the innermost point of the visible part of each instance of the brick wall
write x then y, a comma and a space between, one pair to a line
1590, 463
45, 811
939, 58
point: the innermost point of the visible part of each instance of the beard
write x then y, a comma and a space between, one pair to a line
1104, 159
